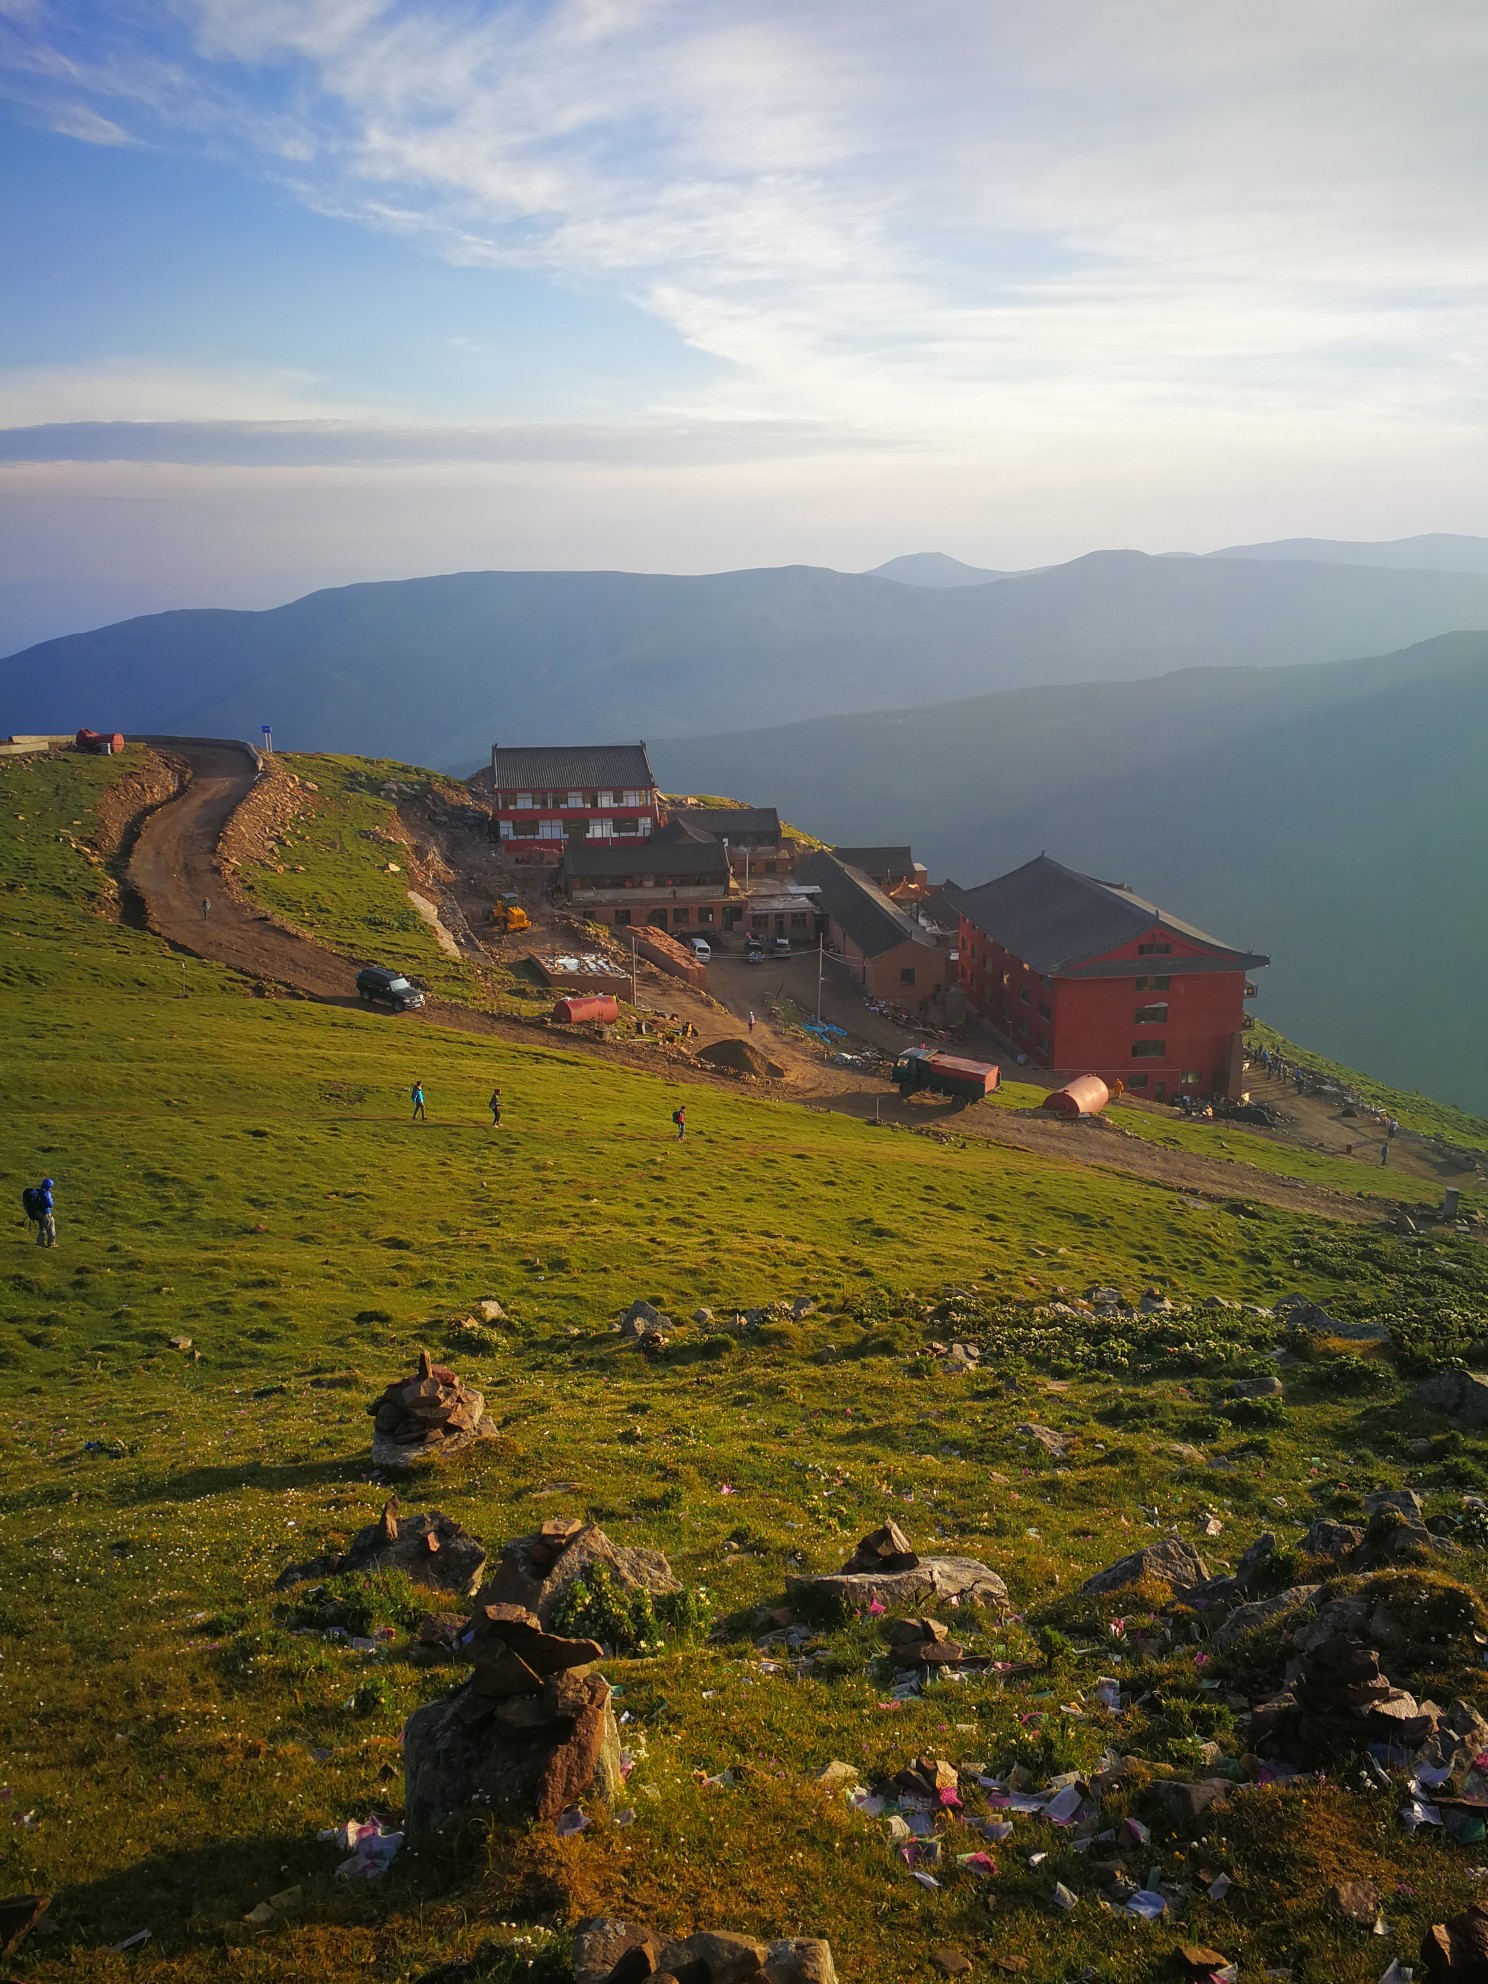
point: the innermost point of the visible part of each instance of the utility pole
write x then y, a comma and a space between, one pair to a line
635, 997
821, 965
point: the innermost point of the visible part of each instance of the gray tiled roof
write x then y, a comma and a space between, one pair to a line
898, 863
858, 906
674, 850
732, 823
1056, 919
549, 767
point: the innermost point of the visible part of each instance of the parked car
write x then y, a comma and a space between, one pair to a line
701, 949
379, 986
782, 947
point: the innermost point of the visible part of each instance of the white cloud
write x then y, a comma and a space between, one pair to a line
1195, 237
128, 390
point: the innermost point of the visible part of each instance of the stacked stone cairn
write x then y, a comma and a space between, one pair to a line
426, 1417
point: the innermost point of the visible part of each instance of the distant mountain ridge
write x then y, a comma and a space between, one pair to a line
1437, 551
934, 569
1332, 816
434, 669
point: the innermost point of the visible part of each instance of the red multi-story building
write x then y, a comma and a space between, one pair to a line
1086, 977
549, 795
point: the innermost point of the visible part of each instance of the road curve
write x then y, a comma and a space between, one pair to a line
173, 868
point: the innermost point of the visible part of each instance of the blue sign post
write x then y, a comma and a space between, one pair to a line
268, 737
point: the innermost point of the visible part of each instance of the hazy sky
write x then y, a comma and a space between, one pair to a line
386, 286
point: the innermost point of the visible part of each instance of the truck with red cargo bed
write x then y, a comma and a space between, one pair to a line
921, 1069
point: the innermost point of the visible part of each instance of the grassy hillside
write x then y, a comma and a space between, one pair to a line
1329, 817
239, 1172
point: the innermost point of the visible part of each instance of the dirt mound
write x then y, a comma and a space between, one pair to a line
737, 1057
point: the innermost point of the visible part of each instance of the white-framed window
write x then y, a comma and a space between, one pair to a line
633, 798
601, 830
606, 798
645, 824
574, 799
550, 830
508, 829
524, 802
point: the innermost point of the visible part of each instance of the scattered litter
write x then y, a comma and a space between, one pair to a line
570, 1822
1147, 1903
260, 1915
1063, 1899
133, 1942
1219, 1887
372, 1849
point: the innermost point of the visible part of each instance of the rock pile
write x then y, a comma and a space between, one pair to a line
432, 1550
426, 1417
923, 1643
534, 1571
606, 1951
532, 1726
885, 1567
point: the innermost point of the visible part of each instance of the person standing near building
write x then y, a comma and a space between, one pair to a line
494, 1105
416, 1097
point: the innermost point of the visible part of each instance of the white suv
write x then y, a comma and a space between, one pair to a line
701, 949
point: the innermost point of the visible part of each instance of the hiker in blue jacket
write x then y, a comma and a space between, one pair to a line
38, 1203
416, 1097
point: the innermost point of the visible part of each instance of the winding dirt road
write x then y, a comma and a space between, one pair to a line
175, 864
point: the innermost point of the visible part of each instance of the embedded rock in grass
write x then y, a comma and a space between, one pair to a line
1172, 1561
607, 1951
885, 1568
1462, 1395
1261, 1612
1053, 1442
533, 1726
432, 1550
534, 1571
1257, 1388
426, 1417
1336, 1542
1397, 1532
643, 1318
1303, 1311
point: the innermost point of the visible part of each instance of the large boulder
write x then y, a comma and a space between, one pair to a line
1456, 1951
1396, 1532
532, 1727
1461, 1395
432, 1550
534, 1571
1172, 1561
885, 1568
1263, 1612
1307, 1314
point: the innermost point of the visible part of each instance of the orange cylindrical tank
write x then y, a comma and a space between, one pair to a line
586, 1006
1086, 1095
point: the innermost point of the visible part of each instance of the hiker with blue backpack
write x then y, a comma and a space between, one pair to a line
37, 1203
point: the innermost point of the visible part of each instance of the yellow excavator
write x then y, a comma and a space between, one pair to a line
507, 914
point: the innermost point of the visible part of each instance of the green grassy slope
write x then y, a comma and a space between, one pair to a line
240, 1171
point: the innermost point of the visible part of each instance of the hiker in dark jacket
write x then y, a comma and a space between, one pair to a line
40, 1209
495, 1108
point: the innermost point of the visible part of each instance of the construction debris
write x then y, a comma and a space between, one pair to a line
426, 1417
432, 1550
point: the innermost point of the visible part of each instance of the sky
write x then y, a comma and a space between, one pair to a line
307, 290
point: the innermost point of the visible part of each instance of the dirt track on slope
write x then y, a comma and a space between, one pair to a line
175, 863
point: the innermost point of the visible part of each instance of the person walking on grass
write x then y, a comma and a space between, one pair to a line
206, 909
679, 1117
495, 1108
37, 1201
1384, 1154
416, 1097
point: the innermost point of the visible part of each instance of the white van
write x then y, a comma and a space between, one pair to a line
701, 949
